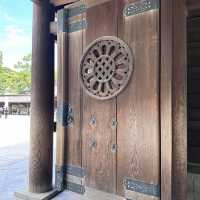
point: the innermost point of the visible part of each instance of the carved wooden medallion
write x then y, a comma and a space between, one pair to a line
106, 67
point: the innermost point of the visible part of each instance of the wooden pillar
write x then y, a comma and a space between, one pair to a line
42, 100
173, 99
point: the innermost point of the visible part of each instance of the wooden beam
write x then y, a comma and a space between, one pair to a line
61, 2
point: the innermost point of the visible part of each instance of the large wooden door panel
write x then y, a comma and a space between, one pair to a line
138, 106
98, 159
114, 142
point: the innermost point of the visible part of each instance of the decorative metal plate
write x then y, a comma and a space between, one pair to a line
141, 187
140, 7
106, 67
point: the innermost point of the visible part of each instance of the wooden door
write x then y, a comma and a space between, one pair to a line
110, 144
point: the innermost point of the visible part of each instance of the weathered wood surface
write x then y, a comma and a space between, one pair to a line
69, 94
166, 98
42, 102
62, 96
73, 134
136, 109
179, 99
138, 106
173, 100
99, 161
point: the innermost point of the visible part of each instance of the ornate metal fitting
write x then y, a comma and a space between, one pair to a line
65, 114
140, 7
106, 67
141, 187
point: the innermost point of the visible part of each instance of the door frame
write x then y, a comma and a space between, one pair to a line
173, 99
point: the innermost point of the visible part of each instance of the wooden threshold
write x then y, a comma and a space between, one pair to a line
91, 194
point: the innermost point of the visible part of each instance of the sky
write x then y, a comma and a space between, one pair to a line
15, 30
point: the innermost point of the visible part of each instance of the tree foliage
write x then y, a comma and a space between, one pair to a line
1, 58
18, 80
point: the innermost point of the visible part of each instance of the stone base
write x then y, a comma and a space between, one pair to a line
24, 195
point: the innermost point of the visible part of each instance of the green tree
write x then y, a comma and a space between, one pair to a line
6, 80
23, 79
1, 58
16, 81
24, 64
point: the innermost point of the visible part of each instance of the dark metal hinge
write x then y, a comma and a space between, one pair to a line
65, 114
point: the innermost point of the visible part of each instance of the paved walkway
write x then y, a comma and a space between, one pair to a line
14, 140
14, 149
13, 170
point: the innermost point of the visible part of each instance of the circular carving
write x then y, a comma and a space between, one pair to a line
106, 67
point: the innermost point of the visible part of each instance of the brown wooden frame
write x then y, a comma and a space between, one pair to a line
173, 100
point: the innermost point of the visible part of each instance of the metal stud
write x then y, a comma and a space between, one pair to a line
113, 148
114, 124
93, 143
93, 120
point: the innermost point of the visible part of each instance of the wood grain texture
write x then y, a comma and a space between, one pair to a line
166, 98
138, 106
69, 92
99, 161
179, 99
74, 138
42, 101
62, 96
173, 100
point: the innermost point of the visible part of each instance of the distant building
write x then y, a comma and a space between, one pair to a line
16, 104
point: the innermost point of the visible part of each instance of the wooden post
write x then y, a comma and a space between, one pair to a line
42, 100
173, 99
